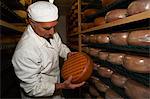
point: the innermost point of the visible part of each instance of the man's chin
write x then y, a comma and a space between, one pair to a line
50, 37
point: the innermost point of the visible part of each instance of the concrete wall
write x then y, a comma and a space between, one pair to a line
61, 28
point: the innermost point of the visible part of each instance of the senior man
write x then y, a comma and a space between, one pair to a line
36, 57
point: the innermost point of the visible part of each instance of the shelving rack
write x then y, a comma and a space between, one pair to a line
130, 23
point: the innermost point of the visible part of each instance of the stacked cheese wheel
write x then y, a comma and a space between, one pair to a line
78, 65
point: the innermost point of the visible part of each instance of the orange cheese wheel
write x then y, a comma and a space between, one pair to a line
78, 65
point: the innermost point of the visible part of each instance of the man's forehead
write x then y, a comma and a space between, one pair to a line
53, 23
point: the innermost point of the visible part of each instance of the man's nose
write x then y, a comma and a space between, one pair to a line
52, 31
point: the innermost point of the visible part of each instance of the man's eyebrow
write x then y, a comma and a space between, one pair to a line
47, 28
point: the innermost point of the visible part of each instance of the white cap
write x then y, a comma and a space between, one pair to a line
51, 1
43, 11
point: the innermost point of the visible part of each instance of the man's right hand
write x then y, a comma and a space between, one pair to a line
68, 85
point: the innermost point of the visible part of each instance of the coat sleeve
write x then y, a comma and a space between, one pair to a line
63, 49
27, 68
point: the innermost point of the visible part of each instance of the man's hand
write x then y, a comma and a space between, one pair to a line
71, 53
68, 85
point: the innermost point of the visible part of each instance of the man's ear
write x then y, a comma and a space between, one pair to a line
29, 21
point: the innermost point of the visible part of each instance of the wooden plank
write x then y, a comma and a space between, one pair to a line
73, 34
9, 25
79, 25
133, 18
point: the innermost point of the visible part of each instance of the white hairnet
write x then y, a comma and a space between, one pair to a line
43, 11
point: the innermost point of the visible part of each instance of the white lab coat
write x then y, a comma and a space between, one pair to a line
36, 63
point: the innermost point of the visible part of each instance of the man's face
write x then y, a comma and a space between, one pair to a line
44, 29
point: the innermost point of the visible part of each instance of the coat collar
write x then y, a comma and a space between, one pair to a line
42, 41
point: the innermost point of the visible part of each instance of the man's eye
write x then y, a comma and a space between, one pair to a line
47, 28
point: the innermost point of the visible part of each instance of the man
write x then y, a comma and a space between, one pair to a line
36, 58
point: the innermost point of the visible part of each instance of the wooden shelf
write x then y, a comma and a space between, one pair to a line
76, 47
119, 48
73, 34
11, 26
133, 18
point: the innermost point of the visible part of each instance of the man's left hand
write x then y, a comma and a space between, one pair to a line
71, 53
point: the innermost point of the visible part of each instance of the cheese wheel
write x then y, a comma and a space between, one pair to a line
85, 38
136, 90
119, 38
22, 2
96, 66
78, 65
74, 6
107, 2
116, 14
139, 38
102, 38
103, 55
104, 72
75, 29
21, 13
85, 49
75, 11
28, 2
87, 96
89, 12
99, 21
94, 52
116, 58
137, 64
138, 6
85, 26
118, 80
93, 38
99, 97
102, 87
110, 94
93, 91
